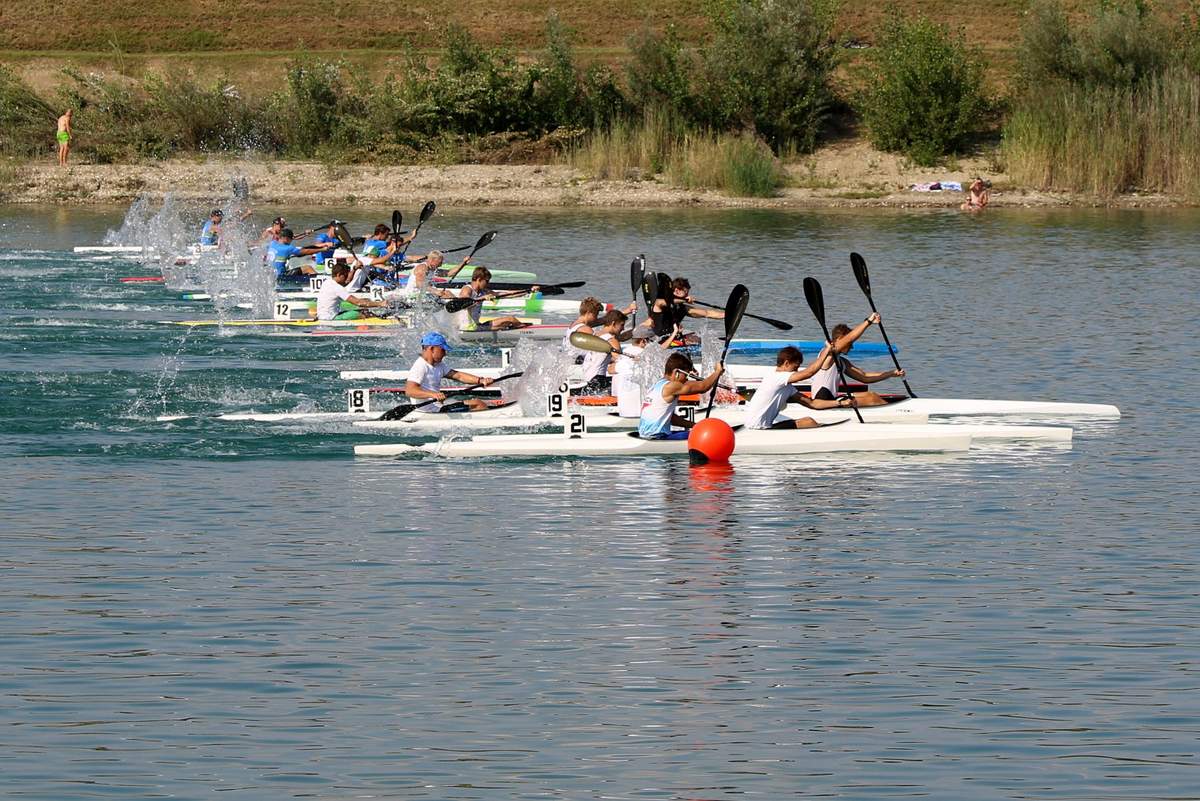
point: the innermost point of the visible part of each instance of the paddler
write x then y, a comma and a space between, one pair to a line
824, 382
271, 232
658, 411
210, 234
477, 290
282, 249
776, 389
326, 242
671, 308
624, 382
335, 290
596, 366
426, 374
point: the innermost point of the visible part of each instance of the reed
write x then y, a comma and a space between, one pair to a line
1106, 140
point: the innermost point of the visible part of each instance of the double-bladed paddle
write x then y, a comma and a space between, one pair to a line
780, 324
735, 308
426, 212
816, 302
590, 342
458, 304
404, 409
859, 265
649, 293
637, 273
397, 220
483, 242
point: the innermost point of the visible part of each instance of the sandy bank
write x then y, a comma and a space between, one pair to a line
842, 175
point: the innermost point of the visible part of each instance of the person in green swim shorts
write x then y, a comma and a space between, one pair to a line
64, 138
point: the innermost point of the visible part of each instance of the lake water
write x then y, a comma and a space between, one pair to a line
204, 609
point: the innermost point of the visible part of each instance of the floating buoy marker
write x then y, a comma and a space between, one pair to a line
710, 440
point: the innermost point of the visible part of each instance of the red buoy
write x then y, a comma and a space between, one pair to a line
710, 440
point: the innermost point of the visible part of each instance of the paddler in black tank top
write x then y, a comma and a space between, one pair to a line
673, 305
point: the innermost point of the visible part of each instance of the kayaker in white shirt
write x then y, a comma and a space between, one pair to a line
765, 409
426, 374
337, 289
824, 384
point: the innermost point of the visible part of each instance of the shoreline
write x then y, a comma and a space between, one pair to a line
847, 175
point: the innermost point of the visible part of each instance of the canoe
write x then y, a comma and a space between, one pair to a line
827, 439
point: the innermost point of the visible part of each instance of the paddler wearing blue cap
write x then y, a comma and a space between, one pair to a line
426, 374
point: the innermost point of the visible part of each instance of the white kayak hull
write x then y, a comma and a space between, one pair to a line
831, 439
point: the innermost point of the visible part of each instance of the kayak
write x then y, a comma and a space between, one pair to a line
827, 439
599, 417
311, 323
737, 416
527, 305
127, 249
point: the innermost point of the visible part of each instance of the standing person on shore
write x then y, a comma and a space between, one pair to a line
64, 138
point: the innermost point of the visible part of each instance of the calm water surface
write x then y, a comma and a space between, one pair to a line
202, 609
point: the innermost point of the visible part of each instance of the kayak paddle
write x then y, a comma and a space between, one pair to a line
735, 308
426, 213
780, 324
590, 342
404, 409
397, 219
816, 302
502, 286
859, 265
483, 242
458, 304
649, 293
637, 272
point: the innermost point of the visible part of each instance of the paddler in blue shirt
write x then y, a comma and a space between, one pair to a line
210, 234
282, 249
326, 242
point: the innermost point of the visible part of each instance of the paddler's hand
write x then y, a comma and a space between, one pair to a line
439, 396
536, 288
845, 401
485, 382
631, 308
719, 369
899, 373
873, 318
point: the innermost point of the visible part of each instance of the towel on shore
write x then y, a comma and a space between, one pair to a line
938, 186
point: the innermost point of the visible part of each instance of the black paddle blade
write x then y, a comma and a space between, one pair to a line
735, 308
859, 265
650, 290
637, 271
815, 298
399, 412
664, 286
458, 304
483, 242
397, 219
428, 210
343, 236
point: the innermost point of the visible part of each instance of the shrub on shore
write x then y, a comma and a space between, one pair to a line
926, 96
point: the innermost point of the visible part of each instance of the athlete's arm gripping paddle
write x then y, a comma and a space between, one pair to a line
404, 409
780, 324
458, 304
816, 302
483, 242
859, 265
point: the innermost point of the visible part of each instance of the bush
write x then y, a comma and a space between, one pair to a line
926, 96
658, 74
26, 120
1121, 44
768, 69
